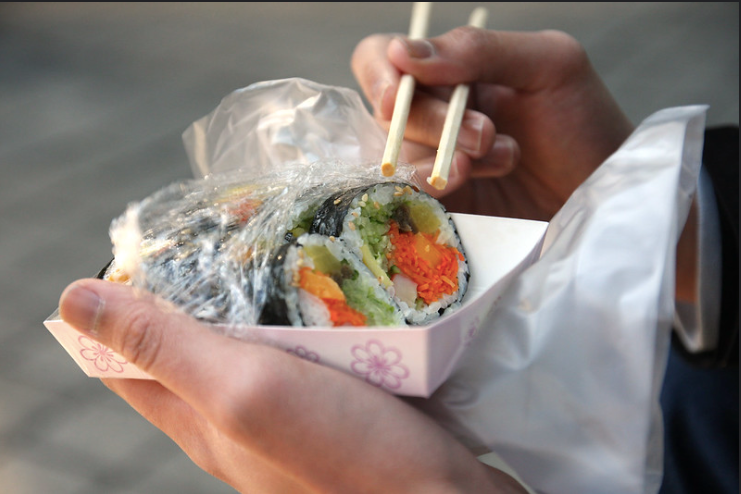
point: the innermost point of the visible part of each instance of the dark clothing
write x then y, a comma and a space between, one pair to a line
699, 397
700, 407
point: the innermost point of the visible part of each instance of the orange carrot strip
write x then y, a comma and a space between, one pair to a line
325, 288
432, 266
342, 314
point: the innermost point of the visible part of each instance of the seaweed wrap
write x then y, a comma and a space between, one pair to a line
184, 243
407, 240
316, 281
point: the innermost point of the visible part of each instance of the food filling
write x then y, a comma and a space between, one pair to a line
329, 292
433, 267
400, 247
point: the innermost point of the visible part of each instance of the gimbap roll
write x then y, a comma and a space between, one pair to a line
407, 240
316, 281
182, 243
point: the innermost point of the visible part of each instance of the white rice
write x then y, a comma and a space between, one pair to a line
388, 193
305, 309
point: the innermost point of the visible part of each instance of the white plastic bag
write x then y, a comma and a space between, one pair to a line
564, 384
564, 380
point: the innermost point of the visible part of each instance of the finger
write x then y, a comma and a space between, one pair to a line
460, 173
206, 447
499, 161
175, 349
169, 413
427, 118
156, 403
524, 61
377, 77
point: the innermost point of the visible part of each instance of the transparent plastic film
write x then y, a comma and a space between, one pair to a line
271, 124
274, 161
206, 244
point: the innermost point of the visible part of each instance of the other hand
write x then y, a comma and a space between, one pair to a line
540, 118
263, 420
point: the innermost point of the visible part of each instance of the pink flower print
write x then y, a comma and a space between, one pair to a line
301, 352
470, 334
101, 356
380, 366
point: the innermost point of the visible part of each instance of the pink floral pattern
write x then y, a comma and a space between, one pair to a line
473, 330
101, 356
301, 352
379, 365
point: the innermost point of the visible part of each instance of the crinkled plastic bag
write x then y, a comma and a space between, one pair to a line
564, 381
269, 124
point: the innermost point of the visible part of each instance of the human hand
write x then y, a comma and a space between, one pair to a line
540, 118
263, 420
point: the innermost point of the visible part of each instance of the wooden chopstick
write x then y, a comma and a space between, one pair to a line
417, 29
457, 106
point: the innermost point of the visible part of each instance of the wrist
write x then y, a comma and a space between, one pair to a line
686, 261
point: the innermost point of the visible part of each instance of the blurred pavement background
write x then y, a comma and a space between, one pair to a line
93, 100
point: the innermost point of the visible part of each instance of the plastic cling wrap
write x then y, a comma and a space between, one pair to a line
279, 160
270, 124
209, 245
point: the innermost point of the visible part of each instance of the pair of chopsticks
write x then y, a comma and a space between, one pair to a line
457, 105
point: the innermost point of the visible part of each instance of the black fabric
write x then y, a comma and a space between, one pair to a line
721, 160
699, 397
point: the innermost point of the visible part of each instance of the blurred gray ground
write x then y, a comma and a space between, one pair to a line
93, 101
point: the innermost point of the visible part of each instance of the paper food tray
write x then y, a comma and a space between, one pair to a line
411, 361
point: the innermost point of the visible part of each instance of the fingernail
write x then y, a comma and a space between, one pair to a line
81, 307
469, 137
504, 150
417, 48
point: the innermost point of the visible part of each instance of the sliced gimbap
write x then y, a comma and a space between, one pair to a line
407, 240
316, 281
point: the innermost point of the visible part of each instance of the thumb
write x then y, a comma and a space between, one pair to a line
523, 61
147, 331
